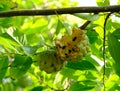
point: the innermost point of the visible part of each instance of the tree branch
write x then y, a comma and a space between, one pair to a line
71, 10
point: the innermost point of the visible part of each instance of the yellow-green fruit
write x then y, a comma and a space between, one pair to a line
50, 62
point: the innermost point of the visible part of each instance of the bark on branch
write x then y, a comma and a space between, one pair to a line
71, 10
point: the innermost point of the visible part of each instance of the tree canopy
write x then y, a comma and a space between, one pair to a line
31, 46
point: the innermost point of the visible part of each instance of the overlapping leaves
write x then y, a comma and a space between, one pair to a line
3, 66
20, 65
114, 48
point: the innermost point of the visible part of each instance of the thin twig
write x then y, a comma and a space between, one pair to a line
104, 49
85, 25
71, 10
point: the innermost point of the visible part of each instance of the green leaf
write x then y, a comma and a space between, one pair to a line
30, 50
116, 25
82, 65
88, 16
3, 66
117, 69
24, 81
6, 22
92, 60
8, 44
103, 2
106, 2
91, 26
7, 86
116, 33
67, 27
114, 48
67, 73
6, 5
42, 40
92, 35
9, 37
108, 25
80, 87
33, 30
59, 27
89, 82
118, 87
38, 88
83, 16
94, 17
20, 65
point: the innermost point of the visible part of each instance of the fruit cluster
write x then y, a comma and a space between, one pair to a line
70, 48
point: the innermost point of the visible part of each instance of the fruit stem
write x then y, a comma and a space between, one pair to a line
84, 25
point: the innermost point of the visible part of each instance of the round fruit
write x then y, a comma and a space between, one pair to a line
73, 47
49, 61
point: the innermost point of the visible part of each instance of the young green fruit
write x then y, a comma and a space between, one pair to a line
49, 61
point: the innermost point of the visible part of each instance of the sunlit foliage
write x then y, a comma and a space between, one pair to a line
23, 37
